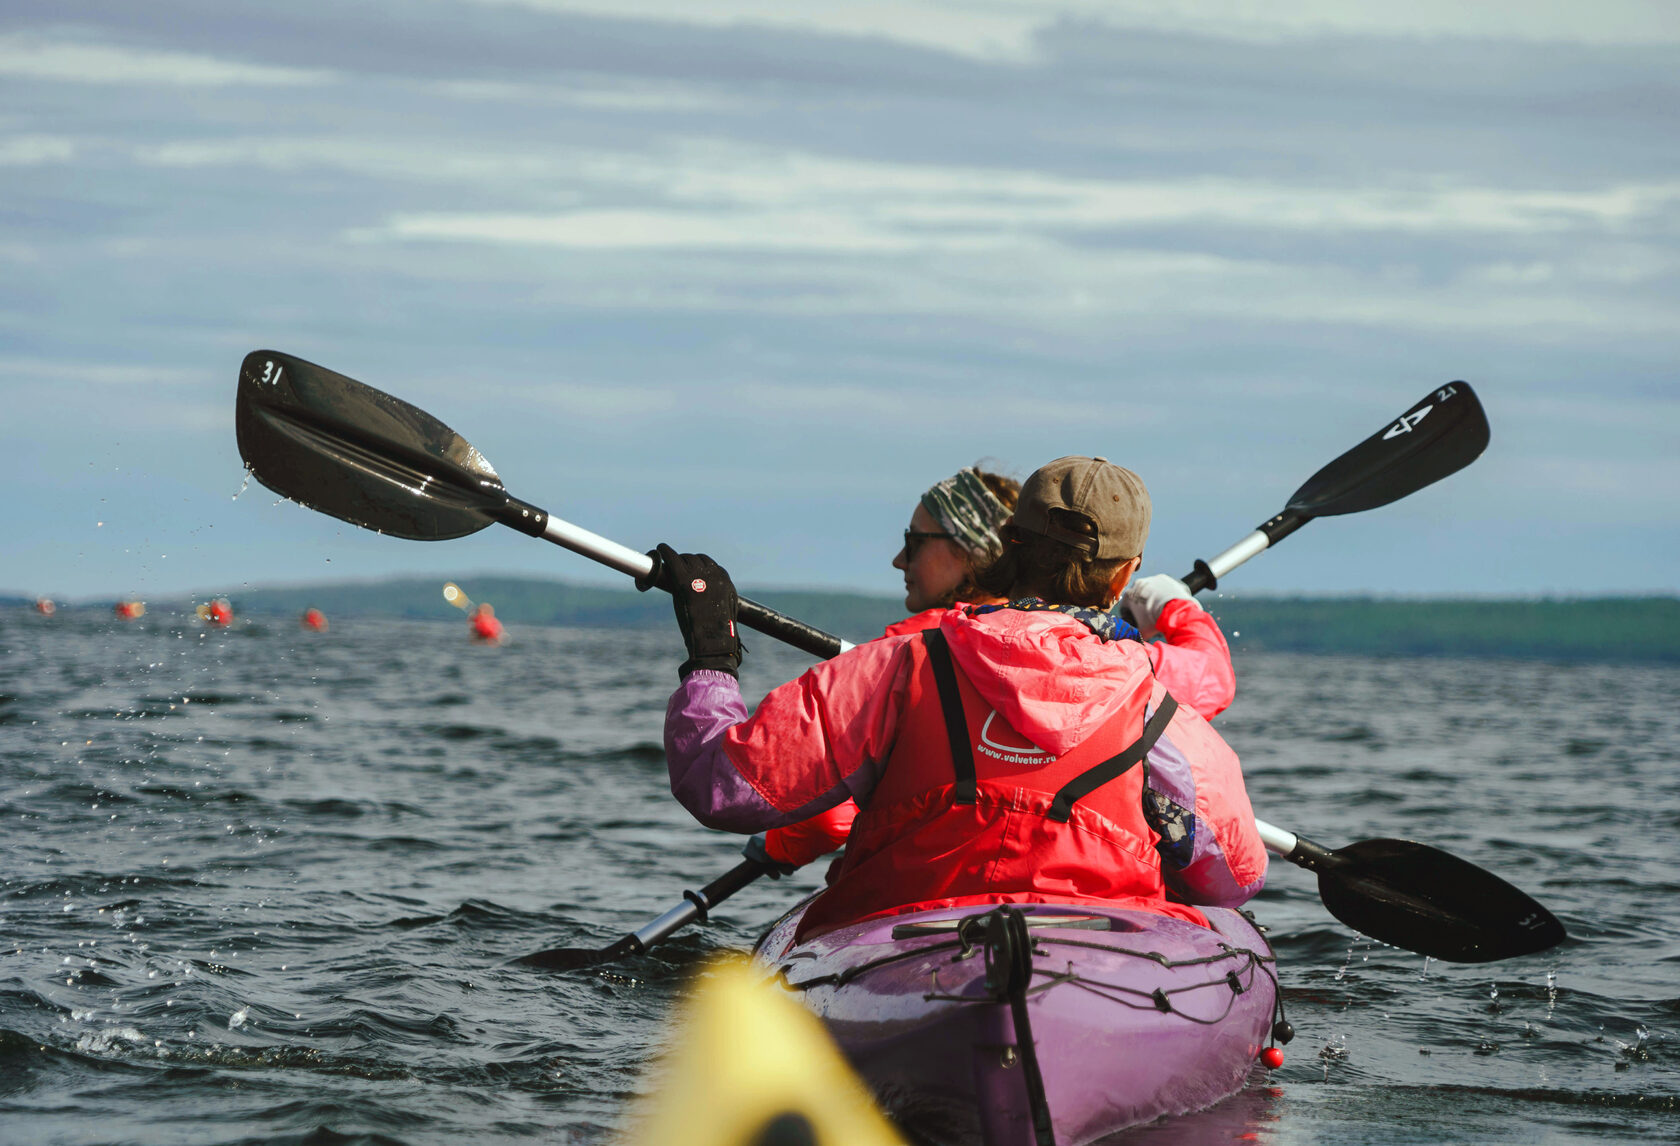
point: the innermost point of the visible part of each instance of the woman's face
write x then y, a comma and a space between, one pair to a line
935, 567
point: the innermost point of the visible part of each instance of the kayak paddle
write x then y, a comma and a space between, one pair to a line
1442, 433
362, 456
694, 908
348, 450
1420, 898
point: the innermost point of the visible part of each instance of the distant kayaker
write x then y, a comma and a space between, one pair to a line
486, 629
952, 538
995, 756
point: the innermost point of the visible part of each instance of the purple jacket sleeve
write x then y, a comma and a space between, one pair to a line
1194, 862
706, 705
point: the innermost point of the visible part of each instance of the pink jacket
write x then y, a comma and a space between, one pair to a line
825, 737
1193, 662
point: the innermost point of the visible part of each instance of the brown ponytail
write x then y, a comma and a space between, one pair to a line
1036, 566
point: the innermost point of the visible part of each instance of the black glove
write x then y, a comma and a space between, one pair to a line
704, 599
775, 869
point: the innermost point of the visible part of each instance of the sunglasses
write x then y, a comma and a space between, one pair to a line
913, 539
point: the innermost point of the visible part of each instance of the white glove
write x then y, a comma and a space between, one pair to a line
1144, 597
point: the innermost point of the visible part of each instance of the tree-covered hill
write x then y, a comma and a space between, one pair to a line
1612, 628
1609, 628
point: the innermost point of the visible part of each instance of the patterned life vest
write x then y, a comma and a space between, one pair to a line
967, 811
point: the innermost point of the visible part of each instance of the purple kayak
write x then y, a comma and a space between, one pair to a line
1040, 1022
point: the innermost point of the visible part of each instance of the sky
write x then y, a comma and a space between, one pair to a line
747, 276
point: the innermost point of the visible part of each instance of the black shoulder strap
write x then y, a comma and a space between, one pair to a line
1091, 779
956, 723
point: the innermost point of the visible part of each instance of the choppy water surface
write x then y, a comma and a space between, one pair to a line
257, 883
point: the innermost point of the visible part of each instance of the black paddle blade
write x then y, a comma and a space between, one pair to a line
577, 958
335, 445
1442, 434
1423, 899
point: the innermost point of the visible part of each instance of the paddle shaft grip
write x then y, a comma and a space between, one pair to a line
523, 516
1206, 574
789, 631
696, 904
1296, 849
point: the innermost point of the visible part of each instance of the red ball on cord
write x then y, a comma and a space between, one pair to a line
1272, 1057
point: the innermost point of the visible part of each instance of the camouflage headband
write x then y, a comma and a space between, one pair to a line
970, 512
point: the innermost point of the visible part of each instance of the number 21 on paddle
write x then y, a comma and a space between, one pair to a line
1409, 420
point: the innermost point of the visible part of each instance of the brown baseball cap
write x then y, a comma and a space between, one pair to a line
1112, 497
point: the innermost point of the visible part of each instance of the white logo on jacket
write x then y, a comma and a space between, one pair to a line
1005, 744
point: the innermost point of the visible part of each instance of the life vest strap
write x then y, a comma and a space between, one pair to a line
956, 723
962, 753
1115, 766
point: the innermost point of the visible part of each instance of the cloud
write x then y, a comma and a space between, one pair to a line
1203, 230
422, 161
1004, 30
607, 94
35, 150
1624, 22
58, 371
665, 230
716, 189
986, 30
52, 58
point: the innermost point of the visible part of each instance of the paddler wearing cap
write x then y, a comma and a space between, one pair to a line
1014, 753
954, 536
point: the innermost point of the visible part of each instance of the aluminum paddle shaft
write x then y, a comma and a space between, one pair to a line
358, 454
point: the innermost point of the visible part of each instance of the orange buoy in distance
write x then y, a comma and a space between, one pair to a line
485, 627
129, 610
45, 606
481, 618
217, 612
314, 620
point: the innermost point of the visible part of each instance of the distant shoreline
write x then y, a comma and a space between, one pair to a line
1626, 629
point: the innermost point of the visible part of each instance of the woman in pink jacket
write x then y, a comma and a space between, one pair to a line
1023, 752
953, 537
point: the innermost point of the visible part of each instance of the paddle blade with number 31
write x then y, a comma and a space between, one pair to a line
360, 455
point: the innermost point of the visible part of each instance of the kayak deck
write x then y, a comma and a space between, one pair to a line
1132, 1015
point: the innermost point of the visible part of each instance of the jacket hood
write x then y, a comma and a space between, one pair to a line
1054, 680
